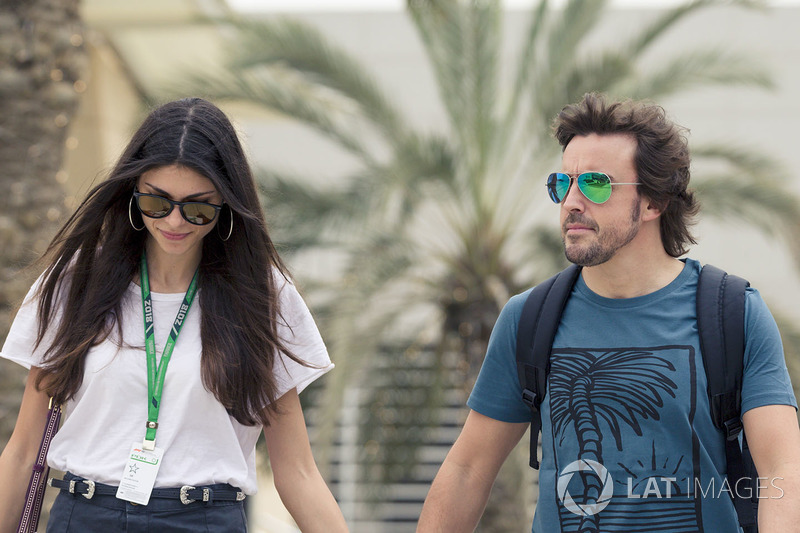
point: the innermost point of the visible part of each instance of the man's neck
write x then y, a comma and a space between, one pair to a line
632, 275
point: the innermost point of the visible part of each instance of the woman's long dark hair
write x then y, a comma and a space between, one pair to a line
96, 254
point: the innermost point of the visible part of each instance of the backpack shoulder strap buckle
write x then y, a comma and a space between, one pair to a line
530, 399
725, 411
732, 429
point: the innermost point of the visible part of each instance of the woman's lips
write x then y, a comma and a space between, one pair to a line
173, 236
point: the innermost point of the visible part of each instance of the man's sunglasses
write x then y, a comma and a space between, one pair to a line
596, 186
197, 213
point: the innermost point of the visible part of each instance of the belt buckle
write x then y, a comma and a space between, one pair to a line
89, 494
185, 494
90, 489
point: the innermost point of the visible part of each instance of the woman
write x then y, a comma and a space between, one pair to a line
149, 375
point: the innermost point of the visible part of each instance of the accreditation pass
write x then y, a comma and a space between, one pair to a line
139, 476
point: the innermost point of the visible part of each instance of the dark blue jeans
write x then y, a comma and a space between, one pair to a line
107, 514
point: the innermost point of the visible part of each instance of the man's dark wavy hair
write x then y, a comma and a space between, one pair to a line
662, 157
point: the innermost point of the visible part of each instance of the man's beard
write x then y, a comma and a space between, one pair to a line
607, 243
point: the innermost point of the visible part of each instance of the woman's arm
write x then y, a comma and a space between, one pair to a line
16, 461
297, 479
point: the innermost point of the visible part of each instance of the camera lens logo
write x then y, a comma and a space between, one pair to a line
593, 468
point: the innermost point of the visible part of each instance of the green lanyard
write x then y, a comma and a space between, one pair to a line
156, 372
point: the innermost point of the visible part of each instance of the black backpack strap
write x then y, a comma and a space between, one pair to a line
536, 330
720, 320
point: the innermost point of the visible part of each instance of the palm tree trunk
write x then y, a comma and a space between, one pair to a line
41, 61
589, 442
510, 505
39, 94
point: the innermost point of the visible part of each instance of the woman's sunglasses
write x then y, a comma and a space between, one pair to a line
197, 213
596, 186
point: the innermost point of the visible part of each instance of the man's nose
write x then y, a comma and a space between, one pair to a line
574, 199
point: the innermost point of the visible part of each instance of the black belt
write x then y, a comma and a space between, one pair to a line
186, 494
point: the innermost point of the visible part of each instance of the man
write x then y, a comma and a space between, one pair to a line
626, 388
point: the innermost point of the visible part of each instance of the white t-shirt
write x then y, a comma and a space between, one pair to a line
202, 443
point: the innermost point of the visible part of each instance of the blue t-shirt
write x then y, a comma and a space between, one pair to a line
628, 443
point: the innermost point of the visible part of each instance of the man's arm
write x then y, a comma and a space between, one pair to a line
460, 490
774, 440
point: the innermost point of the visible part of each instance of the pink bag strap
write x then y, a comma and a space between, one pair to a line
29, 519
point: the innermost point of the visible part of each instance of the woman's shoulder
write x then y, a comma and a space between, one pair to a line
62, 283
285, 288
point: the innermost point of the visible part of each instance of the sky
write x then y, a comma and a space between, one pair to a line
396, 5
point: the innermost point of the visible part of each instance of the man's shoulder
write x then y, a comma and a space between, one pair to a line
693, 264
517, 302
511, 312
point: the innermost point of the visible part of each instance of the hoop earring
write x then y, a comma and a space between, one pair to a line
130, 216
230, 231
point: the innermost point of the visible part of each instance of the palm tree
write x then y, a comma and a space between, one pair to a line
43, 58
615, 386
435, 230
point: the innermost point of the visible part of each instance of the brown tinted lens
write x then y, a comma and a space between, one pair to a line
199, 213
154, 206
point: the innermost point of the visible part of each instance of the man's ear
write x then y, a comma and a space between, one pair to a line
652, 210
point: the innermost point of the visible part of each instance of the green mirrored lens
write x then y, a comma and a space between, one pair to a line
596, 186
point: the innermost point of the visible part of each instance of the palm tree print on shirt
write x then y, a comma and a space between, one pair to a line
600, 393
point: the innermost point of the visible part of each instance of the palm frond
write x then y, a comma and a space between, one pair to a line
703, 68
302, 48
440, 25
422, 161
745, 162
283, 91
670, 17
527, 61
567, 31
570, 28
764, 206
514, 130
304, 216
386, 194
462, 40
748, 202
594, 73
748, 188
484, 72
